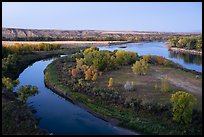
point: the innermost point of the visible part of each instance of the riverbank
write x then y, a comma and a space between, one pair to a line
146, 122
17, 118
169, 46
113, 121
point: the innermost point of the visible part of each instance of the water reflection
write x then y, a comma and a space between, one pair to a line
186, 57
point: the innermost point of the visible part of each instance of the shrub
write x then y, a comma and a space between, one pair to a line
88, 74
183, 104
79, 62
140, 67
129, 85
74, 72
160, 60
164, 84
147, 58
110, 83
94, 77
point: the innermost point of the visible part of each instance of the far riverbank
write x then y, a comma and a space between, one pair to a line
68, 43
183, 50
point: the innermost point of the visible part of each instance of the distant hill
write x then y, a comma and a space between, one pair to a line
22, 33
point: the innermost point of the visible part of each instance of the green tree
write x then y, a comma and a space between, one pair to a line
8, 83
140, 67
183, 104
24, 92
79, 62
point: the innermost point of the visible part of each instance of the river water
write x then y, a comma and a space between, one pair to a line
189, 61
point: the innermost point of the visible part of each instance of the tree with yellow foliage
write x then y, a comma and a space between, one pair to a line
88, 74
94, 77
110, 83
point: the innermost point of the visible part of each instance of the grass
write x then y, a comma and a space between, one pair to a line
142, 122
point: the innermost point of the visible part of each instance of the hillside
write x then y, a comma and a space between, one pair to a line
22, 33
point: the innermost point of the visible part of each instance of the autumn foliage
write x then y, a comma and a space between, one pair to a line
74, 72
160, 60
110, 83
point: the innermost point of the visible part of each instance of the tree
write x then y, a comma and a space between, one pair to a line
140, 67
88, 74
94, 77
183, 104
191, 43
181, 43
79, 62
164, 84
8, 83
147, 58
74, 72
160, 60
110, 83
24, 92
125, 57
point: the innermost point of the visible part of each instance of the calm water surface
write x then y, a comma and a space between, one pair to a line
58, 115
189, 61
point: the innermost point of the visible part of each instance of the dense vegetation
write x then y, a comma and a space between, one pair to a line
187, 42
77, 77
27, 48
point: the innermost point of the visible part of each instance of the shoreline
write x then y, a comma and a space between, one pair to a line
195, 52
113, 121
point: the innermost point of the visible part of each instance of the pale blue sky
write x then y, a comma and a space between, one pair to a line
141, 16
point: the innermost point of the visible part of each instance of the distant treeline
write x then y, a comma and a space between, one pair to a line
27, 48
187, 42
97, 38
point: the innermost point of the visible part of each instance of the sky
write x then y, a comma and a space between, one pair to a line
118, 16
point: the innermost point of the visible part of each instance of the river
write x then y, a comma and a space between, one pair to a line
189, 61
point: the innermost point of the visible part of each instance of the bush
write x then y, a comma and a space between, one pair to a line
160, 60
79, 62
110, 83
147, 58
183, 104
164, 84
140, 67
129, 86
74, 72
